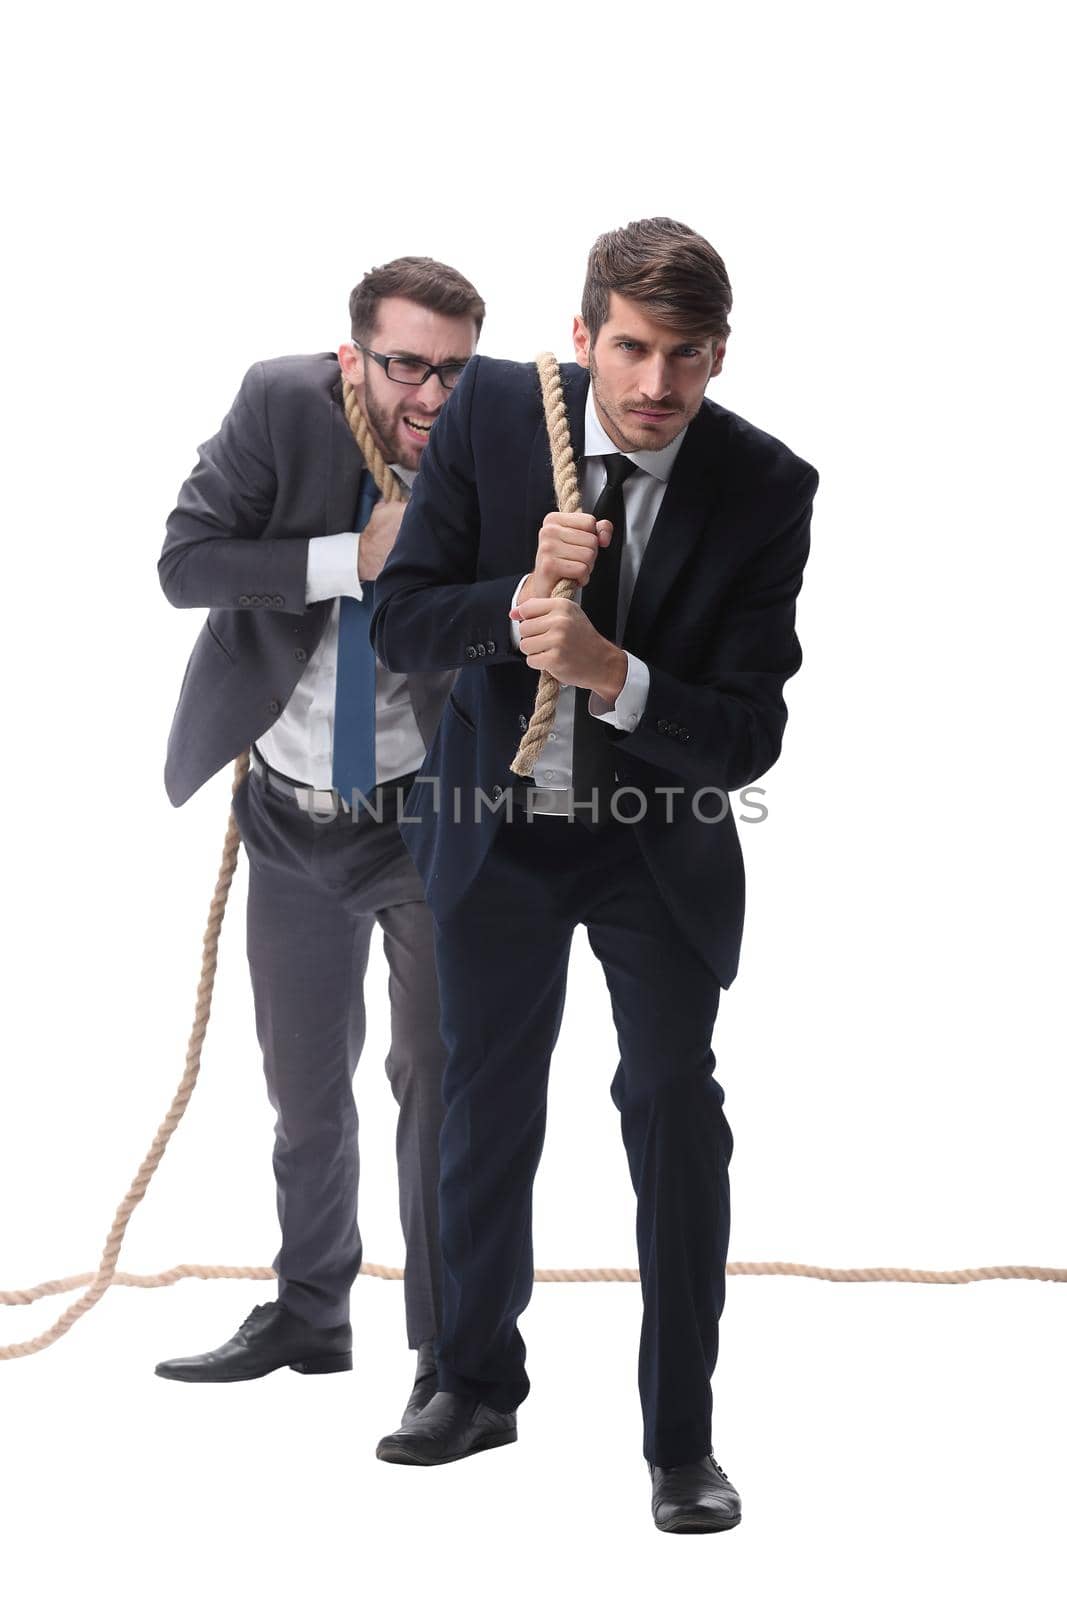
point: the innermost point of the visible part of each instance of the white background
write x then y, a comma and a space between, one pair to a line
191, 189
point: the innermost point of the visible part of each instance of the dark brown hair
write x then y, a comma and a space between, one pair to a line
428, 283
673, 274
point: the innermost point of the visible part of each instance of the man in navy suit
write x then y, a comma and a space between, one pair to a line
689, 553
280, 532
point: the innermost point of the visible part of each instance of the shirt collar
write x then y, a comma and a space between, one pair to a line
656, 462
405, 474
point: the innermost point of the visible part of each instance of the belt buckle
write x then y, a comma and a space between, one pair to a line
556, 802
319, 802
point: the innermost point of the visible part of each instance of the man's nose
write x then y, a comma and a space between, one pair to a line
655, 378
432, 391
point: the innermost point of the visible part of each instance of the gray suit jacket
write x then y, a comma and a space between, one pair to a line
282, 469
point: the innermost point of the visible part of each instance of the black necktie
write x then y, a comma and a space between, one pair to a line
594, 770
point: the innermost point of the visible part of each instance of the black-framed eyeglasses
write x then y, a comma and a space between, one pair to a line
405, 369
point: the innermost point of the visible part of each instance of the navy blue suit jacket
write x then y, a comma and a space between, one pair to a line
712, 615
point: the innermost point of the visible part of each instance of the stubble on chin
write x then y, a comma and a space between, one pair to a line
386, 433
631, 440
613, 425
619, 423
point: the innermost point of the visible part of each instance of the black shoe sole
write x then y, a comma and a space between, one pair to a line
696, 1522
309, 1366
314, 1364
405, 1456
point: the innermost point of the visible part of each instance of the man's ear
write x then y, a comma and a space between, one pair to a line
582, 342
720, 352
352, 364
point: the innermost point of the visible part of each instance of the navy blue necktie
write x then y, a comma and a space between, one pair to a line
354, 765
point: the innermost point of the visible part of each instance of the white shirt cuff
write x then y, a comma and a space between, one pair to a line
629, 707
516, 634
332, 567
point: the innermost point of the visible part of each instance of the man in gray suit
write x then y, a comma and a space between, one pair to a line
280, 532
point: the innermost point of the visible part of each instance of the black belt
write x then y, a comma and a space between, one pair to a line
383, 802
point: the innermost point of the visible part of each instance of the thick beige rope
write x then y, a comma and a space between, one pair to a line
389, 485
737, 1269
568, 498
106, 1274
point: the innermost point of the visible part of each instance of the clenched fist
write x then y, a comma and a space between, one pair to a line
378, 538
567, 547
558, 637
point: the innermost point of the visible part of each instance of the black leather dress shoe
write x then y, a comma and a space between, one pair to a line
696, 1498
448, 1427
425, 1382
269, 1338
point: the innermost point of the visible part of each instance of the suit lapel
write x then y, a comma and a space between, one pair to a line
687, 517
344, 467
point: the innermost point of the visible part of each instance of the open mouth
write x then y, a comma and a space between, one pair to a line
417, 430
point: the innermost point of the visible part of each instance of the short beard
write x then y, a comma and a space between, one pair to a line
624, 442
386, 435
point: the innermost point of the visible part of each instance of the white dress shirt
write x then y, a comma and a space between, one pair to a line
300, 743
643, 494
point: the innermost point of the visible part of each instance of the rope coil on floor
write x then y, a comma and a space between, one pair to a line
567, 492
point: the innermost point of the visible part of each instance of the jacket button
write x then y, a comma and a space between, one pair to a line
490, 648
274, 706
472, 654
683, 737
300, 655
481, 649
244, 601
661, 726
496, 792
672, 729
278, 600
523, 724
